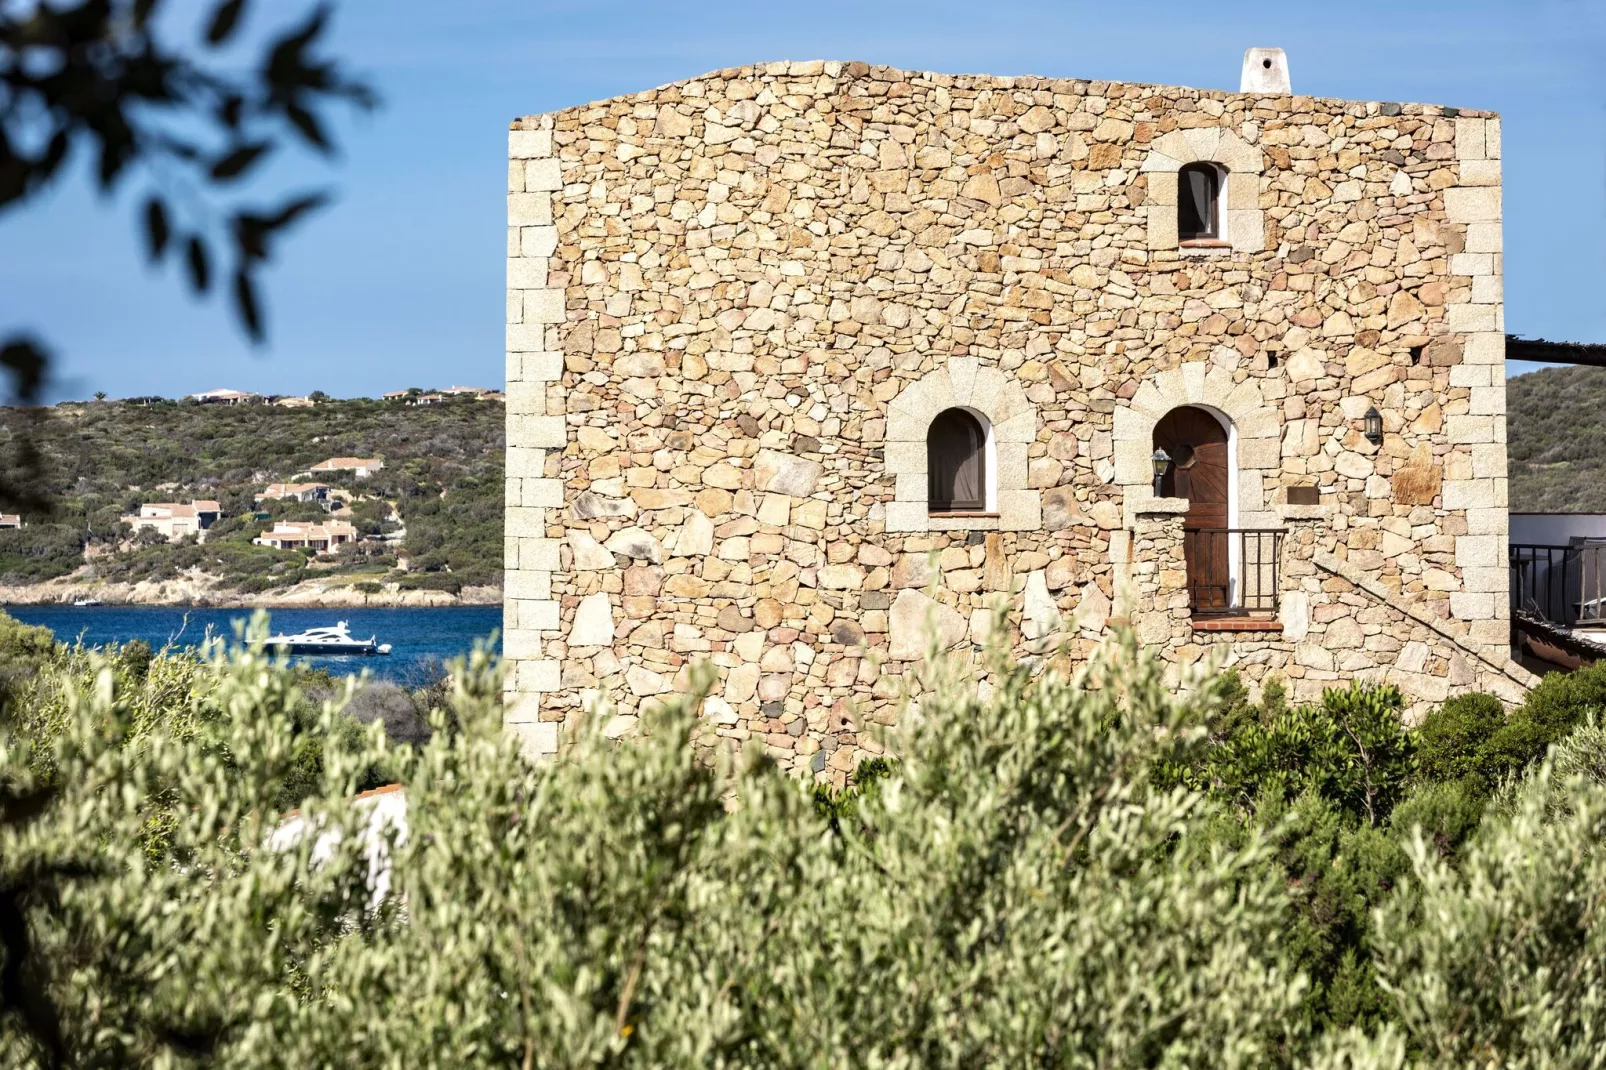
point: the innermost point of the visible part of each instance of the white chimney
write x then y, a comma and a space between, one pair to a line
1265, 72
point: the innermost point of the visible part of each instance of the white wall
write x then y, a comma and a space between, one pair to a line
1556, 529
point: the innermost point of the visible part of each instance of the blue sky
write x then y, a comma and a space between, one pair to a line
400, 283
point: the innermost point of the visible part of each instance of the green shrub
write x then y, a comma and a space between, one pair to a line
1349, 748
1452, 741
1558, 704
368, 587
1012, 895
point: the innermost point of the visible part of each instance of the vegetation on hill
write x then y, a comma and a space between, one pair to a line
1556, 440
100, 460
1061, 871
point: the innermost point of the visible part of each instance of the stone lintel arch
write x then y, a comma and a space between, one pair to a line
962, 383
1245, 227
1253, 428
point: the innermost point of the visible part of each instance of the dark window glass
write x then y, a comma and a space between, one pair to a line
956, 463
1198, 199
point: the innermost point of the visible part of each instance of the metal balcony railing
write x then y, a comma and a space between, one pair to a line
1232, 571
1564, 585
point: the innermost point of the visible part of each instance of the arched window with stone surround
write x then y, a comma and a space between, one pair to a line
1199, 193
957, 468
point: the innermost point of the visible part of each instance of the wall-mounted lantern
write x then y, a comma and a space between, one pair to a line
1161, 461
1374, 426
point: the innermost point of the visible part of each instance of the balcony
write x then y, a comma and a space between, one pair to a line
1233, 577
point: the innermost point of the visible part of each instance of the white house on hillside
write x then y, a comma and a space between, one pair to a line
361, 467
175, 520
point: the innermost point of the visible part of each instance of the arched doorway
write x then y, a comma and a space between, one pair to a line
1200, 471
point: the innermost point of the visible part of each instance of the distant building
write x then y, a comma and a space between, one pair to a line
475, 391
361, 467
494, 395
300, 492
397, 395
10, 520
427, 399
174, 520
145, 400
226, 397
295, 403
307, 535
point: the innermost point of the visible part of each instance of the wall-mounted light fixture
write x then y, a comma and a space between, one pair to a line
1161, 461
1374, 426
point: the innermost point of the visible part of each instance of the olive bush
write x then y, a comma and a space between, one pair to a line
1015, 892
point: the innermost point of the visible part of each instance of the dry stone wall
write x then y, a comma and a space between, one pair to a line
734, 301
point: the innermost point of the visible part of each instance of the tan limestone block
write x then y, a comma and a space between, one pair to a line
907, 516
529, 144
543, 306
1484, 238
1466, 319
962, 378
1237, 155
1020, 510
1013, 464
1243, 190
543, 176
1202, 142
529, 209
536, 741
906, 457
1478, 550
539, 431
538, 242
1470, 494
535, 674
538, 552
1163, 189
1491, 138
1156, 164
1174, 144
1246, 230
1162, 228
537, 613
1469, 139
526, 273
1471, 605
1472, 204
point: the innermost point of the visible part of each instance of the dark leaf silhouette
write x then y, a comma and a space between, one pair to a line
225, 17
199, 265
245, 304
157, 231
239, 161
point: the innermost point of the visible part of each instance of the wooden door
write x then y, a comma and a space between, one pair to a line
1197, 445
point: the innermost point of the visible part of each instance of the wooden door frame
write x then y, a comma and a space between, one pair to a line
1234, 565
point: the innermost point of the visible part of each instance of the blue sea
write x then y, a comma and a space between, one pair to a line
422, 640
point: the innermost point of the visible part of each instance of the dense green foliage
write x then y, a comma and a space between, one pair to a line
1073, 871
1556, 422
99, 461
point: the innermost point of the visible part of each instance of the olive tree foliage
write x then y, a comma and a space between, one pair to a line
1501, 960
186, 120
1015, 893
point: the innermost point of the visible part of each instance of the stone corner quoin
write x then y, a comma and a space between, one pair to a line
736, 303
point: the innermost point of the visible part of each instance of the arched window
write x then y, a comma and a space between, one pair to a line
1199, 215
956, 463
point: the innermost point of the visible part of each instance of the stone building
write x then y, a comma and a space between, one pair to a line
807, 358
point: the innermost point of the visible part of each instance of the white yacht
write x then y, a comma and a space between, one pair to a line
87, 602
334, 639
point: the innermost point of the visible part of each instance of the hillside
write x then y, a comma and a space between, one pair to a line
1556, 432
442, 485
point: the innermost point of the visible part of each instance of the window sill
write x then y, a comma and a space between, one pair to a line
1236, 624
962, 521
1205, 248
1204, 243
